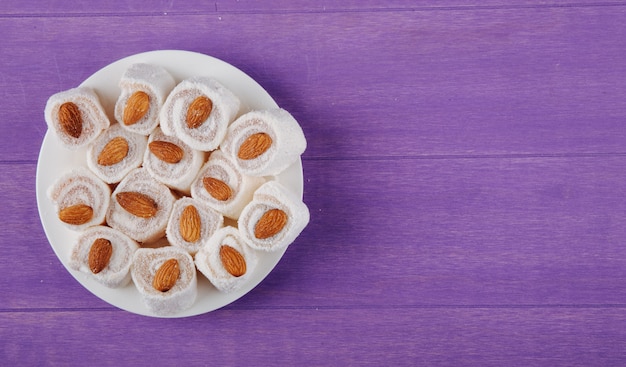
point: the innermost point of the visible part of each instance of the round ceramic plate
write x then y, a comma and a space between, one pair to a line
55, 160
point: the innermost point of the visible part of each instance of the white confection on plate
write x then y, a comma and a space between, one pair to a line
288, 141
210, 134
209, 262
219, 166
138, 228
94, 119
81, 186
181, 296
273, 195
116, 172
180, 175
156, 82
210, 221
117, 273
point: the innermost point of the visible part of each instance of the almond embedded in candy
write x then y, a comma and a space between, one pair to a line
254, 146
136, 107
99, 255
270, 223
217, 188
76, 214
113, 152
166, 151
190, 224
70, 119
136, 203
166, 276
198, 111
233, 261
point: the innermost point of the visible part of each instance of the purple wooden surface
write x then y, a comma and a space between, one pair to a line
512, 81
59, 8
466, 176
338, 337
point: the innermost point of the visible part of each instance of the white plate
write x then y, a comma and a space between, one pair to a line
54, 160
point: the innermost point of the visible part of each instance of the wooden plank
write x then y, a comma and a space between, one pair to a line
347, 337
34, 273
483, 82
466, 231
401, 5
482, 231
57, 8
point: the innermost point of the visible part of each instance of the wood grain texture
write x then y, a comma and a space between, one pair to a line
523, 231
366, 337
504, 231
482, 82
465, 173
57, 8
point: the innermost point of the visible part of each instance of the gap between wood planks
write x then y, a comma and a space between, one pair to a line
417, 157
466, 156
325, 10
344, 307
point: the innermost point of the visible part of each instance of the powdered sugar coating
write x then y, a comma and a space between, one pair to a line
81, 186
208, 260
116, 172
117, 273
146, 262
178, 176
210, 134
151, 79
210, 220
288, 141
273, 195
137, 228
94, 119
219, 166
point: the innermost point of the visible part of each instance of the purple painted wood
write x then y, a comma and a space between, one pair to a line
57, 8
465, 175
470, 231
516, 81
483, 336
444, 218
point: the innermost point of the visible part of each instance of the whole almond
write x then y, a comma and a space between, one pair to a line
217, 188
254, 146
137, 203
270, 223
198, 111
70, 119
113, 152
99, 255
233, 261
166, 151
166, 276
76, 214
136, 107
190, 224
